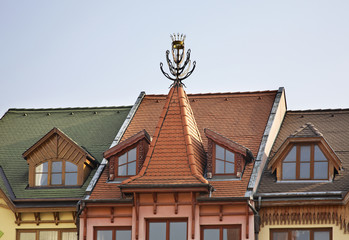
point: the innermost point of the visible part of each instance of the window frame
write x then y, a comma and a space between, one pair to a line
110, 228
298, 162
214, 158
50, 173
220, 227
126, 151
60, 232
289, 231
167, 221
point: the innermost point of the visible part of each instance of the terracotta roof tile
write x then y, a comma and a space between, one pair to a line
240, 117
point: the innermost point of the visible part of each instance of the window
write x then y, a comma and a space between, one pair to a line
223, 232
167, 229
127, 163
47, 234
112, 233
224, 161
305, 162
301, 234
56, 173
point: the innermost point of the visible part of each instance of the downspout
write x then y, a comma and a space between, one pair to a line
256, 219
79, 210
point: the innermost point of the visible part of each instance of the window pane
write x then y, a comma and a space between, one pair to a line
123, 159
123, 234
105, 235
322, 235
229, 167
288, 171
318, 155
41, 179
178, 230
219, 152
122, 170
157, 231
70, 167
48, 235
301, 235
211, 234
229, 156
280, 235
219, 166
291, 156
56, 167
56, 178
304, 170
27, 236
305, 154
42, 168
71, 178
231, 233
320, 170
132, 155
69, 236
132, 168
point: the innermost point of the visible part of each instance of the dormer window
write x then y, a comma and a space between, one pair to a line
305, 162
224, 161
305, 155
60, 173
226, 158
57, 161
126, 158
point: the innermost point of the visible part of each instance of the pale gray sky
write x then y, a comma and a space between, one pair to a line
64, 53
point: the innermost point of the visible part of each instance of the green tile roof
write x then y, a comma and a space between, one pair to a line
92, 128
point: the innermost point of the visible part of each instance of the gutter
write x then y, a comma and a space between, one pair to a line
300, 194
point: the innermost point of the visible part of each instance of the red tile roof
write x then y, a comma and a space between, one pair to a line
240, 117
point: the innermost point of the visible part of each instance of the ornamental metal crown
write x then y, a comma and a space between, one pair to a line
181, 70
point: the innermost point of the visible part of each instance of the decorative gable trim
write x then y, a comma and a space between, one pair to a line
57, 146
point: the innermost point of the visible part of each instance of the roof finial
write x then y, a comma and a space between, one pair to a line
179, 71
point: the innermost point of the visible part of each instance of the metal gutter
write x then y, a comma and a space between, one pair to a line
276, 117
300, 194
117, 139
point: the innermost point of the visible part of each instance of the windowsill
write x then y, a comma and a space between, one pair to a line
53, 187
304, 181
224, 178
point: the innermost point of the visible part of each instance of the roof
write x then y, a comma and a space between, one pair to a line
332, 125
240, 117
93, 129
176, 154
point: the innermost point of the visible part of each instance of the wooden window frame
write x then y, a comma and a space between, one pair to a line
220, 227
214, 158
110, 228
167, 221
37, 231
63, 172
127, 150
298, 162
289, 231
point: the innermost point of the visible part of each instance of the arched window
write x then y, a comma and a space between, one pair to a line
56, 173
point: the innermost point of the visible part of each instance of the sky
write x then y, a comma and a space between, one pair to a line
64, 53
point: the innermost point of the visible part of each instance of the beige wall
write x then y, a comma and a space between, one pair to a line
337, 233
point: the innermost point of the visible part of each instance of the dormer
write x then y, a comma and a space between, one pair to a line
305, 156
57, 161
226, 158
126, 158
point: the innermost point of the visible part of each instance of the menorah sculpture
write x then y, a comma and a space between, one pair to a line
179, 71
